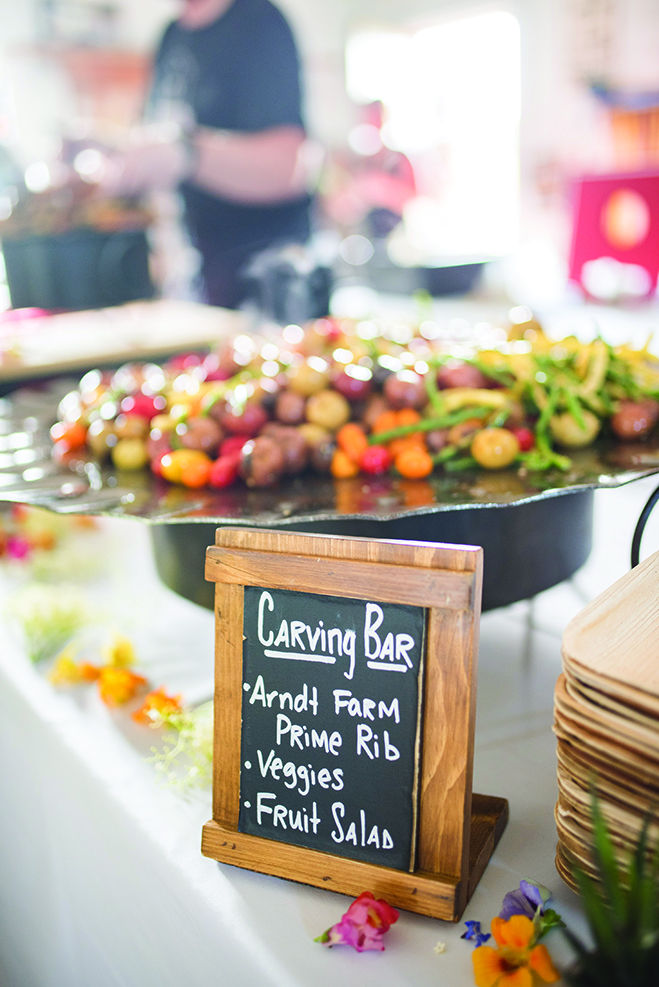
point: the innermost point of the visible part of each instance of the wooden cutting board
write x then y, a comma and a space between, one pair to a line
617, 635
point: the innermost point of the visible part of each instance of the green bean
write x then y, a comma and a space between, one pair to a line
574, 408
428, 425
432, 391
464, 463
446, 453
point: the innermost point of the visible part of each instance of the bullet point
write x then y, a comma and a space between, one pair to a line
248, 764
248, 805
246, 686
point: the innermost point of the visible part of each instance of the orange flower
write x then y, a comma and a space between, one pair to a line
516, 962
156, 706
117, 685
88, 672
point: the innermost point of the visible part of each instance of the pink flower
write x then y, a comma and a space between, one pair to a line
363, 925
18, 547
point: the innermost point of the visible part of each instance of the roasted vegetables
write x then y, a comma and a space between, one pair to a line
346, 397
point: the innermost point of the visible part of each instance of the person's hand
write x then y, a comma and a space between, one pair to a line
152, 161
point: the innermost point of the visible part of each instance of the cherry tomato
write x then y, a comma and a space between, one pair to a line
196, 474
156, 462
525, 437
341, 466
415, 440
352, 439
130, 454
376, 460
158, 443
414, 463
224, 471
233, 445
495, 448
407, 416
72, 434
143, 404
173, 464
184, 361
385, 422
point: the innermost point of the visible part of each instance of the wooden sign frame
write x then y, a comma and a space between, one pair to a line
456, 831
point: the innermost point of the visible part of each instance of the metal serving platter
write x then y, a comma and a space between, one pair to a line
542, 541
28, 474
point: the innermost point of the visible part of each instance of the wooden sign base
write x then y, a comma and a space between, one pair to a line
428, 894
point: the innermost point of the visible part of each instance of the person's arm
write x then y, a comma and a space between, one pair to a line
266, 167
262, 168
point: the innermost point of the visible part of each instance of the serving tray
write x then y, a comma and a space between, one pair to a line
542, 541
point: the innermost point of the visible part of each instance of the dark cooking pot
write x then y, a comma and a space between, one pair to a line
80, 269
528, 547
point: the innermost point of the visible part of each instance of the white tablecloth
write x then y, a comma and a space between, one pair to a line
101, 879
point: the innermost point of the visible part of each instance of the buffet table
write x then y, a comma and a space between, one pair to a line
102, 881
101, 877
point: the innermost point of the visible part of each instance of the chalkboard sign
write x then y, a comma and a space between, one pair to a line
344, 716
330, 723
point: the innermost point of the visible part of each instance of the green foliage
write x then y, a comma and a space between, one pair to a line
622, 909
48, 617
186, 760
545, 922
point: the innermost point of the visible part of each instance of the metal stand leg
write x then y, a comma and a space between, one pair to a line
529, 627
640, 526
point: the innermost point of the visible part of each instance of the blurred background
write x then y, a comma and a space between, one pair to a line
453, 134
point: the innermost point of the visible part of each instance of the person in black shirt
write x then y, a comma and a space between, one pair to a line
226, 85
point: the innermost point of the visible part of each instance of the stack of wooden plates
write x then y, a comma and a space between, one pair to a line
607, 718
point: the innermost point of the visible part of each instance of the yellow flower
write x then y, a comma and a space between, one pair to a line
65, 671
516, 962
117, 685
121, 653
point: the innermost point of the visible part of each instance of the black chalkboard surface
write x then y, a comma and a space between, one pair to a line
330, 723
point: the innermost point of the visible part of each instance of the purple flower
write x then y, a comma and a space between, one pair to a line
529, 899
474, 932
